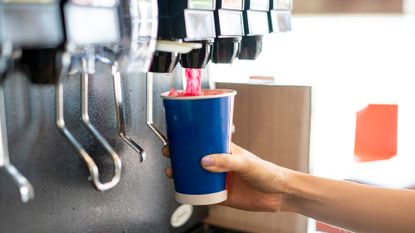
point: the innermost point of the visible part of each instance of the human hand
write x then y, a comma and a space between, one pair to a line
254, 184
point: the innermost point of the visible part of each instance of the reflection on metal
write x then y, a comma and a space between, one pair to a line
6, 51
150, 122
60, 122
118, 95
139, 34
26, 189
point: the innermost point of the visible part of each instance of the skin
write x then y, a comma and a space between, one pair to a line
259, 185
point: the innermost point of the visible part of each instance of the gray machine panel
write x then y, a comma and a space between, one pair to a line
65, 201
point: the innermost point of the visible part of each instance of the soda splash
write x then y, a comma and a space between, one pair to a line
193, 84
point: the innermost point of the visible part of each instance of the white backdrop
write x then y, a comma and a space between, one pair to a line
350, 61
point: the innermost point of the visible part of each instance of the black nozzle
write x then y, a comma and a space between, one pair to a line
197, 58
225, 50
40, 65
251, 47
164, 62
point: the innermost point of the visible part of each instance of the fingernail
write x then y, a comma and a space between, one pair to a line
208, 162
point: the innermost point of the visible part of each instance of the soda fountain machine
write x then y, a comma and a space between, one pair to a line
79, 78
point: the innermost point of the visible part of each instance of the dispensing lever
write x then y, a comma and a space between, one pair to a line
86, 120
5, 54
60, 123
150, 122
25, 187
119, 108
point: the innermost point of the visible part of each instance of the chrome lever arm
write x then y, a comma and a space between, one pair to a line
119, 107
60, 123
25, 187
86, 120
149, 109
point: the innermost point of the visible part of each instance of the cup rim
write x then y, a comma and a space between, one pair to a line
226, 93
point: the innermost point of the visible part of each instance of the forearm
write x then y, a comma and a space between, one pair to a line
352, 206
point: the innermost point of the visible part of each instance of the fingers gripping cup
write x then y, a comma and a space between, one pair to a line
198, 126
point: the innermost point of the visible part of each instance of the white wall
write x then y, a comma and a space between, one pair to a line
350, 61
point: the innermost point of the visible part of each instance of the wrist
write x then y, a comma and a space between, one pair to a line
294, 191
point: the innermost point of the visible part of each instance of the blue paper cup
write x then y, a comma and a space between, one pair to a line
198, 126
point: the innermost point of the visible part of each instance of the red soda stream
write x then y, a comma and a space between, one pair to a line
193, 81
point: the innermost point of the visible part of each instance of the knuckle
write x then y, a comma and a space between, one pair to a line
225, 161
251, 166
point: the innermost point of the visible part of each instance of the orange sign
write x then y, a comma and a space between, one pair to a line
376, 132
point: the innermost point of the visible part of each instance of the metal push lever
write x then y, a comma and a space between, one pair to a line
60, 123
119, 107
26, 189
91, 127
150, 122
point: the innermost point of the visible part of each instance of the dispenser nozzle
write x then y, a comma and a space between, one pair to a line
197, 58
167, 54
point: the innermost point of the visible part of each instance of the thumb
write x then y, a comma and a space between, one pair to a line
224, 163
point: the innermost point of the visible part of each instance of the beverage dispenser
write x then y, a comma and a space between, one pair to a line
187, 21
131, 44
229, 30
96, 41
256, 25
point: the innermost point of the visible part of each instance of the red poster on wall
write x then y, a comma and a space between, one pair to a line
376, 132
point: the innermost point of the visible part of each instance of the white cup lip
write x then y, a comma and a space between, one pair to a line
226, 92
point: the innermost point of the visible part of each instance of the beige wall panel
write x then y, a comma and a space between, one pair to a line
348, 6
274, 123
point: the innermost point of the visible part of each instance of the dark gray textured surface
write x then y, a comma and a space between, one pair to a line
65, 201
